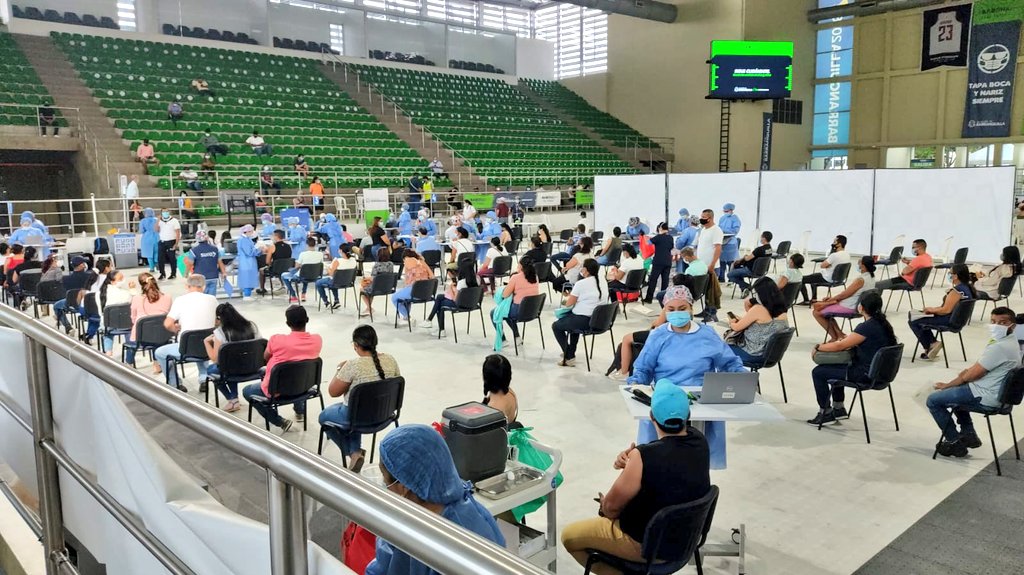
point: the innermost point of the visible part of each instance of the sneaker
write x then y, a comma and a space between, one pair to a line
261, 292
247, 298
204, 385
182, 388
710, 318
838, 412
970, 440
951, 448
618, 376
335, 305
293, 300
568, 362
823, 418
412, 322
924, 357
300, 417
934, 350
426, 325
286, 425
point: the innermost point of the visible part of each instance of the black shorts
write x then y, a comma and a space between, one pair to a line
641, 336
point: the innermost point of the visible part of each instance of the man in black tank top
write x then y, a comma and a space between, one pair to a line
279, 250
670, 471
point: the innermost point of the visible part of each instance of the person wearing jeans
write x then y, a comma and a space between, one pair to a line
309, 256
192, 311
977, 386
415, 270
521, 285
578, 307
940, 316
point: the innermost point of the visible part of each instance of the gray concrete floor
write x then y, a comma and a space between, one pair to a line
813, 502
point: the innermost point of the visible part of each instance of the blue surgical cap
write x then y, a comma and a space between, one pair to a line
27, 215
267, 218
330, 218
148, 212
491, 215
729, 207
684, 213
417, 456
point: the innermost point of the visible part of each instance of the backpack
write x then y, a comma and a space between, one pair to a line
100, 246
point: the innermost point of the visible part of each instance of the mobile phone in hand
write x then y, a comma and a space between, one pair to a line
731, 315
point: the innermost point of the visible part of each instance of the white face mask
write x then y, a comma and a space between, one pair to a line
998, 331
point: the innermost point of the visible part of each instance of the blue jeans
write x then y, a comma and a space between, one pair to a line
567, 332
738, 276
324, 284
441, 303
402, 307
510, 319
267, 411
264, 149
290, 279
562, 257
60, 313
922, 328
340, 429
194, 185
743, 355
165, 352
211, 287
954, 399
603, 261
228, 390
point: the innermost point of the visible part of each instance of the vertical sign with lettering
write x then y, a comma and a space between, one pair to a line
766, 142
832, 99
992, 66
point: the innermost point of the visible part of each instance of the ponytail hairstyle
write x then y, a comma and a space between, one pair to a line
871, 302
49, 263
149, 287
468, 273
964, 276
529, 271
496, 244
593, 269
106, 285
586, 245
365, 337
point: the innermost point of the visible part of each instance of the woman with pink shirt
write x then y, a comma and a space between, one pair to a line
151, 301
523, 283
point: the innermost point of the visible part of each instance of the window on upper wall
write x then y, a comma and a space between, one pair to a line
338, 38
396, 6
580, 36
126, 15
506, 18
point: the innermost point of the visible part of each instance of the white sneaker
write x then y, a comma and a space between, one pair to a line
618, 376
425, 325
412, 322
247, 298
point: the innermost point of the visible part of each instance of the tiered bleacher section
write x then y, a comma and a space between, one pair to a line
288, 100
572, 104
33, 13
502, 134
20, 87
211, 34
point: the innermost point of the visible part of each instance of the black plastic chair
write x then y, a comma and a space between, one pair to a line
759, 269
884, 367
468, 300
1010, 395
1003, 292
237, 362
28, 285
544, 273
191, 349
343, 280
895, 258
308, 274
529, 310
671, 539
959, 257
958, 320
839, 276
633, 283
601, 320
117, 322
385, 284
700, 289
790, 293
92, 309
423, 291
291, 382
920, 280
150, 334
512, 248
781, 253
372, 406
772, 355
48, 293
501, 267
275, 269
433, 260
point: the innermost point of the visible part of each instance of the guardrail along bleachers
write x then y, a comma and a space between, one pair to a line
571, 103
20, 88
499, 131
294, 107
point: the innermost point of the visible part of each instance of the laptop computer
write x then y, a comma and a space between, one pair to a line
720, 388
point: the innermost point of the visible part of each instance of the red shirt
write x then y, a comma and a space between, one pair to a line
502, 210
921, 261
295, 346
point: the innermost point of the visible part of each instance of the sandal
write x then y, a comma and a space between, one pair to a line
356, 460
232, 406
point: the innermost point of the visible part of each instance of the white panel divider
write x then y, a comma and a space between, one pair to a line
697, 192
618, 198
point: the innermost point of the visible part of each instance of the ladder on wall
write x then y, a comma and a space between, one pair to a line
723, 136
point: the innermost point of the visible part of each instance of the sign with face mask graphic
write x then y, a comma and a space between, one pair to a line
995, 36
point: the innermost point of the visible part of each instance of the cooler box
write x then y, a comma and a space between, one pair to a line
476, 436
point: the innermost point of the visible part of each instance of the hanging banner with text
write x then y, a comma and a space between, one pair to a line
945, 37
992, 65
766, 141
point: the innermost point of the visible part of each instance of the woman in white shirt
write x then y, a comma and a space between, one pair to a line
571, 271
586, 294
988, 282
309, 256
486, 275
617, 274
460, 246
116, 290
845, 302
231, 327
344, 261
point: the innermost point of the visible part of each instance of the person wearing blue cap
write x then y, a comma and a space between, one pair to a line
405, 221
686, 239
150, 238
684, 221
730, 224
296, 235
672, 470
417, 466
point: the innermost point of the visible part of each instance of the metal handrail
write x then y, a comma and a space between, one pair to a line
293, 472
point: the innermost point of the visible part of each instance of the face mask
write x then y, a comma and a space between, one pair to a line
949, 278
165, 215
998, 331
678, 318
703, 221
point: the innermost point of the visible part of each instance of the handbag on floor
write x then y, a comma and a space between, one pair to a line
359, 547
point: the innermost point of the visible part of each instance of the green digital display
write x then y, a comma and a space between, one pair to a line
750, 70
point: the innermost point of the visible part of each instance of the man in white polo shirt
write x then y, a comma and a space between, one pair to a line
192, 311
169, 230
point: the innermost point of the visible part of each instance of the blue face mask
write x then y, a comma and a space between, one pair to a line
678, 318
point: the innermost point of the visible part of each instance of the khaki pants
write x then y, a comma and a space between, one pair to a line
600, 534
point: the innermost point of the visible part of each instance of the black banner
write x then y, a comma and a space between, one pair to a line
945, 37
766, 141
990, 77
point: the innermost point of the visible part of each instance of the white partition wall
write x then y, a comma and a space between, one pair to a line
825, 202
697, 192
974, 205
618, 198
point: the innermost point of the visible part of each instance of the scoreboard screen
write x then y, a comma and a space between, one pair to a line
742, 70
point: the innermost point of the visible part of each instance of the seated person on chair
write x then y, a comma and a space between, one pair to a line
874, 333
743, 269
536, 251
611, 244
978, 386
497, 372
231, 327
192, 311
521, 285
940, 316
839, 255
571, 271
344, 261
572, 247
297, 345
920, 260
616, 275
792, 273
309, 256
626, 348
845, 302
764, 319
670, 471
369, 365
988, 282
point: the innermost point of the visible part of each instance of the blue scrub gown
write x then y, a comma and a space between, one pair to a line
730, 224
248, 270
150, 241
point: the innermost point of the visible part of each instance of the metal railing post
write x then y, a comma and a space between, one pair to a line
50, 509
71, 213
95, 220
288, 536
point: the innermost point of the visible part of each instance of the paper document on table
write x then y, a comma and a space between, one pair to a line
915, 314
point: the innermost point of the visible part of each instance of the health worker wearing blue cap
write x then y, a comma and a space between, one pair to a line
417, 465
730, 224
672, 470
684, 221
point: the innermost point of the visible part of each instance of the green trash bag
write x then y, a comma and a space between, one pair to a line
182, 270
533, 457
647, 264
